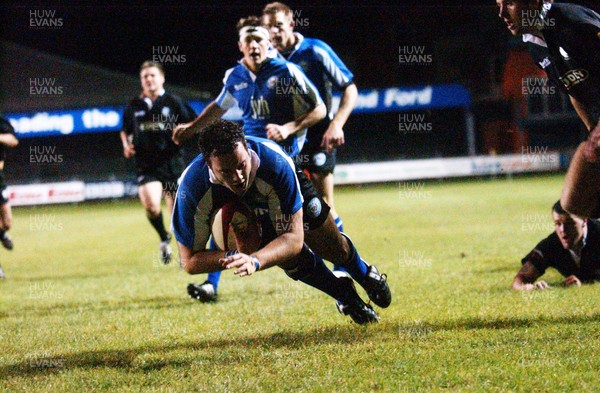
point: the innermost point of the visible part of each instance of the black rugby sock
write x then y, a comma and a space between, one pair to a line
157, 223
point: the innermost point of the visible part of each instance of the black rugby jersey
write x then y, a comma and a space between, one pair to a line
153, 127
571, 57
550, 253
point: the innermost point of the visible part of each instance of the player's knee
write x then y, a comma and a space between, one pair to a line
589, 150
347, 247
152, 211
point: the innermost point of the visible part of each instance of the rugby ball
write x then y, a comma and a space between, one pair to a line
235, 227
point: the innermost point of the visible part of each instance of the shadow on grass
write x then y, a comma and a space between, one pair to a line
344, 335
153, 303
81, 276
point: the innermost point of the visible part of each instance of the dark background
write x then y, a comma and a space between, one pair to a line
466, 39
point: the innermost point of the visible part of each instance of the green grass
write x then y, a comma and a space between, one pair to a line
88, 307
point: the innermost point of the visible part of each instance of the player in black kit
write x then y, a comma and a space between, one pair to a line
7, 139
148, 123
564, 40
573, 249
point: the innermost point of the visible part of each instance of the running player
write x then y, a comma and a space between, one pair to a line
7, 140
279, 102
148, 123
259, 174
324, 68
564, 40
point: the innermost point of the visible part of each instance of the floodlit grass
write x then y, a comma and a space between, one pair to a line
87, 306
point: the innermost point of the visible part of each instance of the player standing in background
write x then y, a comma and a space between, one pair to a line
7, 140
564, 40
279, 102
148, 124
324, 68
257, 173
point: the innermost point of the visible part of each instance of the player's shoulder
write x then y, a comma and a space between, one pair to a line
235, 73
593, 226
550, 246
135, 101
270, 154
173, 98
195, 178
572, 13
309, 42
275, 64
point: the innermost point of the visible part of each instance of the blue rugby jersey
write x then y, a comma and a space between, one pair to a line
274, 192
321, 65
278, 93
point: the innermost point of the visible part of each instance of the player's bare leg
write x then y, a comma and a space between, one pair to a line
150, 196
327, 242
5, 224
169, 200
582, 183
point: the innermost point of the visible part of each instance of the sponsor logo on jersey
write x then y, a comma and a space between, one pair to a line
260, 211
139, 113
574, 77
165, 111
240, 86
272, 82
545, 63
260, 108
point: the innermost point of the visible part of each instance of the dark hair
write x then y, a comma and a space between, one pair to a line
150, 63
557, 208
249, 21
220, 137
273, 8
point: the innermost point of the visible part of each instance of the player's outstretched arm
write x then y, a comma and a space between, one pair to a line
201, 261
184, 131
279, 133
334, 136
525, 279
279, 251
9, 140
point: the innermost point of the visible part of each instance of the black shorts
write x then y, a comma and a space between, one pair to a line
314, 210
167, 173
313, 157
3, 193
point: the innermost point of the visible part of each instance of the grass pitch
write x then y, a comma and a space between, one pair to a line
87, 306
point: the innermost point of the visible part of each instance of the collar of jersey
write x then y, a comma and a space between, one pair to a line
299, 39
252, 74
534, 40
254, 162
149, 102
